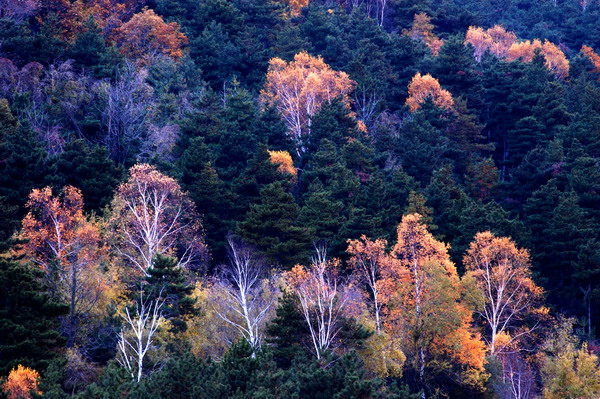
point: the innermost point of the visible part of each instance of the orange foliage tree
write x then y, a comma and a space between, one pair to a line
556, 61
422, 29
503, 275
296, 6
146, 35
151, 215
594, 58
66, 246
284, 161
21, 383
422, 87
424, 303
299, 88
368, 259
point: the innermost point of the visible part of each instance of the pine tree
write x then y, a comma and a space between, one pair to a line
167, 280
271, 226
28, 318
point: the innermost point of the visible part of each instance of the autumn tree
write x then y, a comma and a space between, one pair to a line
151, 215
322, 298
299, 88
284, 162
422, 29
568, 369
423, 298
593, 57
496, 40
422, 87
556, 61
22, 383
368, 258
503, 275
66, 246
146, 35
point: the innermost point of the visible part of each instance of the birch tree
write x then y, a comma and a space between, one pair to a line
299, 88
368, 258
136, 338
151, 215
322, 298
248, 304
503, 274
66, 247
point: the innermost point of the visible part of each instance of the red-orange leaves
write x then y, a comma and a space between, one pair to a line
595, 58
423, 298
422, 87
22, 383
298, 89
146, 34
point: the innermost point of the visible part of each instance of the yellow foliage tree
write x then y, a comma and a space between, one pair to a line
22, 383
284, 161
422, 87
503, 275
422, 29
299, 88
595, 58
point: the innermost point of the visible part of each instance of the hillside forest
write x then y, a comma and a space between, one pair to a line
311, 199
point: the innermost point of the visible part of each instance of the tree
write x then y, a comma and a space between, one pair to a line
556, 61
28, 317
368, 258
247, 302
423, 87
270, 225
135, 340
168, 280
422, 29
284, 162
146, 35
322, 298
503, 276
127, 103
66, 247
593, 57
299, 88
151, 215
496, 40
568, 370
423, 298
21, 383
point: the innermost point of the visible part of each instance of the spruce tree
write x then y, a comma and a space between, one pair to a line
28, 318
271, 226
167, 280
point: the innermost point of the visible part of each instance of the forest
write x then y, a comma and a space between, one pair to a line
310, 199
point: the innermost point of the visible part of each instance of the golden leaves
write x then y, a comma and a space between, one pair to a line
299, 88
284, 161
422, 87
504, 45
594, 58
422, 29
21, 383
